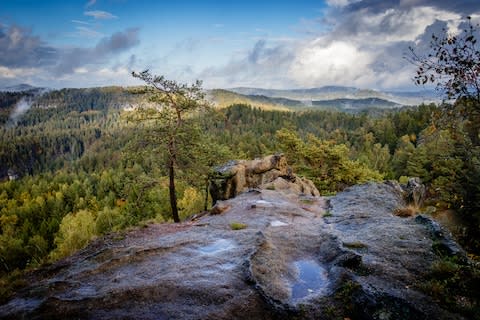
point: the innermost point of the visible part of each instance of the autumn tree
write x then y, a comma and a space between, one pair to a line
453, 64
170, 114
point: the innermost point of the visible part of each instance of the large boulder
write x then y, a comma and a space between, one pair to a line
271, 172
415, 191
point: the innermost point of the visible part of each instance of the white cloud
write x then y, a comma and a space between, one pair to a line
80, 70
11, 73
365, 47
87, 32
100, 15
340, 3
336, 63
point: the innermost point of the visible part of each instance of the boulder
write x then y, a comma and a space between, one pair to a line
238, 176
415, 191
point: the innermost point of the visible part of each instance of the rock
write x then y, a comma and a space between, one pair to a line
219, 208
415, 192
443, 239
301, 257
271, 172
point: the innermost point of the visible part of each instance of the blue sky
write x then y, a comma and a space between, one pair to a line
270, 44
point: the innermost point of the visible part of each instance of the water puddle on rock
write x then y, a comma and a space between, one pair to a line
278, 223
312, 280
218, 246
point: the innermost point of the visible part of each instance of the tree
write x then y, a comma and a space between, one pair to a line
324, 162
171, 115
453, 63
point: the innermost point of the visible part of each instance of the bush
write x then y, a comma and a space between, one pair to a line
76, 230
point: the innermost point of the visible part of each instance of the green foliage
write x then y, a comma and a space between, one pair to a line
327, 164
171, 123
454, 285
76, 230
86, 155
191, 202
109, 219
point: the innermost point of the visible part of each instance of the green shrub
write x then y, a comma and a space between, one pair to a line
76, 230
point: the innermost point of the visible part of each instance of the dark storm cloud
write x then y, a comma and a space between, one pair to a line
19, 48
106, 48
464, 7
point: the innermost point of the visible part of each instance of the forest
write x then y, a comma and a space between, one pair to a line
76, 164
86, 168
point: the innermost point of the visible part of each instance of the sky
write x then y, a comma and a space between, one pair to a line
266, 44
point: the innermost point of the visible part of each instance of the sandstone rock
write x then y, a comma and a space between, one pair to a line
294, 261
238, 176
415, 191
219, 208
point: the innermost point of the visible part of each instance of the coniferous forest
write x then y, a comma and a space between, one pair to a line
76, 165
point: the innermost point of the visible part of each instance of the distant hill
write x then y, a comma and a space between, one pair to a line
356, 104
19, 88
406, 98
223, 98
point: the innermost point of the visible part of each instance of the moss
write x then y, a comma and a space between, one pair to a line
307, 201
327, 214
237, 225
354, 245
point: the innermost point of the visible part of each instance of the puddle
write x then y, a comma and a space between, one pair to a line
278, 223
218, 246
262, 204
312, 279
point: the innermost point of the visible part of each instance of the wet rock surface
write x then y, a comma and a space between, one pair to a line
299, 256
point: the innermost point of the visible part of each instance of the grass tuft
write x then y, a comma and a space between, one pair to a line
237, 225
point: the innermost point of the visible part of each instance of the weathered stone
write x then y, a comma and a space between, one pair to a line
238, 176
415, 192
219, 208
293, 261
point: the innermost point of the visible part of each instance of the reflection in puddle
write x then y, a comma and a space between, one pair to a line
218, 246
312, 279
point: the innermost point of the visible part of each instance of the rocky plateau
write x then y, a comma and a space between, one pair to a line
296, 255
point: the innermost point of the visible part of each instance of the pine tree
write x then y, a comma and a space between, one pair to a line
171, 117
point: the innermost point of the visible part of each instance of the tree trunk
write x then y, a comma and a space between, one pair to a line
171, 187
205, 205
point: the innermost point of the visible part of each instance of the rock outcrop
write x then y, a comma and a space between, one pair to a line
271, 172
296, 256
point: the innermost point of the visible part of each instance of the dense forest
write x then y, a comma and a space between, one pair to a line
76, 165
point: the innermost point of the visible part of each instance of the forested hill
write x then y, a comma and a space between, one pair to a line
80, 167
273, 100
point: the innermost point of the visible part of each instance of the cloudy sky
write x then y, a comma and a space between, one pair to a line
269, 43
